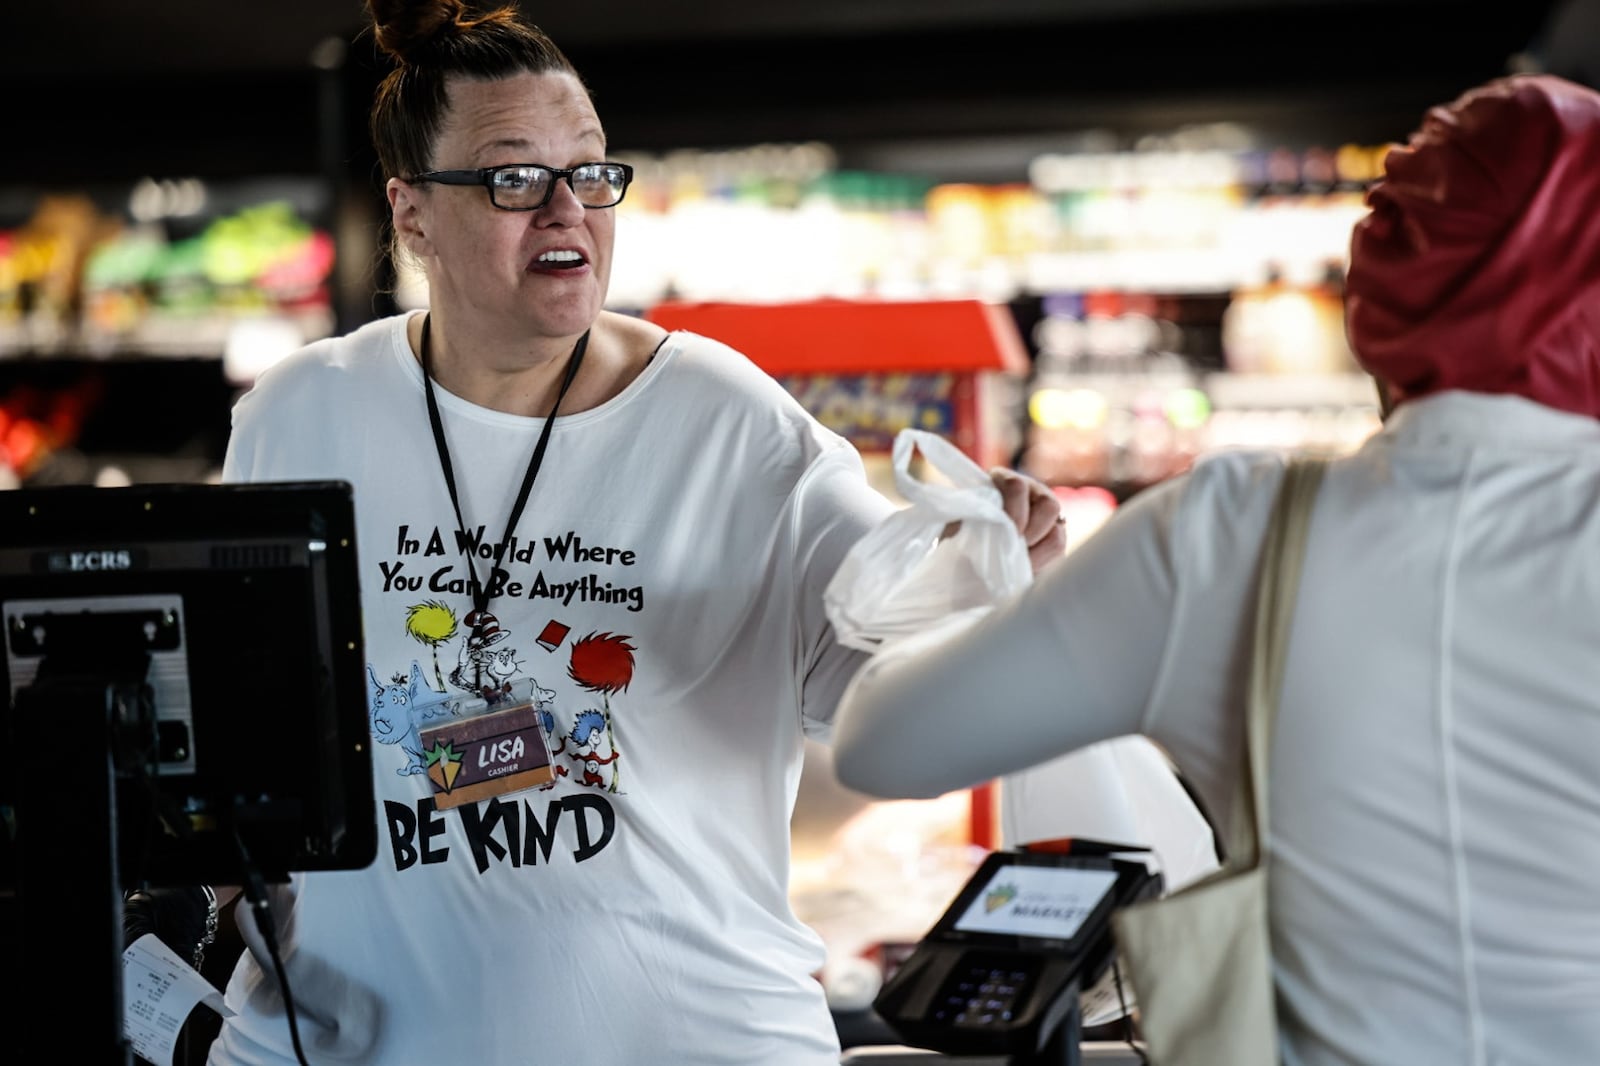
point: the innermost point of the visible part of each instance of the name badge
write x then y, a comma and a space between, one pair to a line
489, 754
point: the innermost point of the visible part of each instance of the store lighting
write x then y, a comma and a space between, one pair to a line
1054, 408
256, 343
152, 200
1187, 408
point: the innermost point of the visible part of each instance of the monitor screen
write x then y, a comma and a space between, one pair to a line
1036, 901
215, 632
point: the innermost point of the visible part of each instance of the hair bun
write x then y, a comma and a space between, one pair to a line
404, 28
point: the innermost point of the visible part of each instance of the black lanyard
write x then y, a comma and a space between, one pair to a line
480, 591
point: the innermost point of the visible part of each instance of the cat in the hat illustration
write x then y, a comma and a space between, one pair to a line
486, 663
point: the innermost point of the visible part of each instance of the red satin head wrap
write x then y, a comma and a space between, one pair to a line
1478, 267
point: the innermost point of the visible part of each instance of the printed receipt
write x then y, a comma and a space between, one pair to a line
159, 990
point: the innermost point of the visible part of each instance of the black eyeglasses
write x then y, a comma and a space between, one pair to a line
529, 186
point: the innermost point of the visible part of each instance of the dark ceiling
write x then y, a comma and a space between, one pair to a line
216, 85
195, 36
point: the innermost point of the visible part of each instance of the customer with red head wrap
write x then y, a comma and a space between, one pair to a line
1433, 847
1479, 265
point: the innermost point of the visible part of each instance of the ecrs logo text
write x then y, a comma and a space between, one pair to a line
90, 561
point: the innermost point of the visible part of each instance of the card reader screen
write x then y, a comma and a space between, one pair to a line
1038, 901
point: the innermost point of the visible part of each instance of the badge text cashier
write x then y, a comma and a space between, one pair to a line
470, 759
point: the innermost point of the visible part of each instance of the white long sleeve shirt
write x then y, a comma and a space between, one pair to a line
1435, 778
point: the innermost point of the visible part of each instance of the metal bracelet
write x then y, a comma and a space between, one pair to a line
211, 927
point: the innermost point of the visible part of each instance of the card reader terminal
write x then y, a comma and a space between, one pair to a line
1000, 972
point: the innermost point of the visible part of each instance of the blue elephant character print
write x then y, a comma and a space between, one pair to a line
397, 708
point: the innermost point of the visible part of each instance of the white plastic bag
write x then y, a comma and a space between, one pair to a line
901, 578
901, 583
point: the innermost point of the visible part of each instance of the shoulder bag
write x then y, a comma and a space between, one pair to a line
1200, 960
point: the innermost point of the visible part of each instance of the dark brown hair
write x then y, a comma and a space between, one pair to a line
431, 41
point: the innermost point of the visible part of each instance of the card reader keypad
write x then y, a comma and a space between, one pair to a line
982, 995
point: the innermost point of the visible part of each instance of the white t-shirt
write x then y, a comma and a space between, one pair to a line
663, 591
1435, 775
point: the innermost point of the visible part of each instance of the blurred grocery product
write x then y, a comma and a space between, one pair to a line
157, 278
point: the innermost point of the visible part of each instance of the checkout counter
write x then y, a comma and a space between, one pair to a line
1099, 1053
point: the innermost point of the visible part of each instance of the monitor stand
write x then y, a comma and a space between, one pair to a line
86, 717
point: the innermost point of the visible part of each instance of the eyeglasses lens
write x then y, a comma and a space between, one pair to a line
594, 184
599, 184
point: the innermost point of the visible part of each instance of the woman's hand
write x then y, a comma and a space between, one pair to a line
1036, 512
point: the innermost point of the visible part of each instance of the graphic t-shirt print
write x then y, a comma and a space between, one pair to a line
466, 654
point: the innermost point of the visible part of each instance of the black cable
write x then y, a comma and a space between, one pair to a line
255, 892
1127, 1015
151, 816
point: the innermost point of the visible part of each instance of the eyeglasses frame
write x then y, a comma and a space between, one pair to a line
484, 176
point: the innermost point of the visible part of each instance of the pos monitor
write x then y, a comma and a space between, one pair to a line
186, 697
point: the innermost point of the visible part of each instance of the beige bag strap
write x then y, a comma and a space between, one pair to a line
1281, 558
